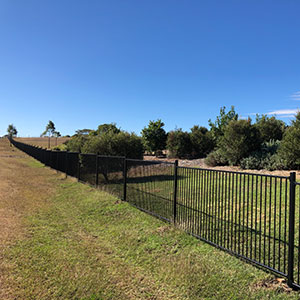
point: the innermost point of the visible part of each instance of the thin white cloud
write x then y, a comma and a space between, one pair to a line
286, 112
295, 96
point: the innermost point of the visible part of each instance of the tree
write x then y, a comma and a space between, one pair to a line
154, 136
217, 128
202, 141
104, 128
269, 128
12, 131
289, 149
179, 144
50, 129
57, 135
239, 140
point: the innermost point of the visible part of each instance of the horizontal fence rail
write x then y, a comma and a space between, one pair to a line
252, 216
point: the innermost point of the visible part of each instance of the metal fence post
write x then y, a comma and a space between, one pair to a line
125, 180
175, 191
291, 229
78, 167
66, 164
97, 169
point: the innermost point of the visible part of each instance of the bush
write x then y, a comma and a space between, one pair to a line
269, 128
202, 141
265, 158
179, 144
289, 150
239, 140
216, 158
115, 144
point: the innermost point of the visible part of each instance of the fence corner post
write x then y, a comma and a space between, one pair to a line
175, 191
291, 229
125, 180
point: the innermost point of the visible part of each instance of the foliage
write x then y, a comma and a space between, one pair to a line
76, 143
217, 128
84, 131
202, 141
239, 140
115, 144
269, 128
265, 158
107, 140
216, 158
179, 144
289, 149
105, 128
11, 130
154, 136
50, 129
56, 134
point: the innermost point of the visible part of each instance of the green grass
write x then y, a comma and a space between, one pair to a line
86, 244
247, 214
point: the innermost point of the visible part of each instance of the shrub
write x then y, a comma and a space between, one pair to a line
76, 143
239, 140
265, 158
115, 144
179, 144
216, 158
202, 141
269, 128
289, 149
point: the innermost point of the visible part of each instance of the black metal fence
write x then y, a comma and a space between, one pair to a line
252, 216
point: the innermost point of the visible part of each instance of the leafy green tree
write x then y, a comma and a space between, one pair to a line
202, 141
217, 128
239, 140
289, 149
104, 128
154, 136
179, 144
269, 128
50, 129
11, 130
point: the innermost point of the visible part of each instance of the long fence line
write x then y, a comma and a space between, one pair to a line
252, 216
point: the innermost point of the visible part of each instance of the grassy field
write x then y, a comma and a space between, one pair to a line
65, 240
42, 141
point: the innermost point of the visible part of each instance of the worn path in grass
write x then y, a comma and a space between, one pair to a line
64, 240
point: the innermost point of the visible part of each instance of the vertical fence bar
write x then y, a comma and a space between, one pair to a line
175, 191
66, 164
97, 169
291, 229
78, 167
125, 179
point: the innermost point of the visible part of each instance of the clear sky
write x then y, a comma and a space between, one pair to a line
84, 63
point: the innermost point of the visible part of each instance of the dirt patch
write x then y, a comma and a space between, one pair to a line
275, 284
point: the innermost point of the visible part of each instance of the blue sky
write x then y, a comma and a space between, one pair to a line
84, 63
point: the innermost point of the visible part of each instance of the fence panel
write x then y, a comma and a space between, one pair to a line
88, 168
110, 174
245, 214
150, 187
